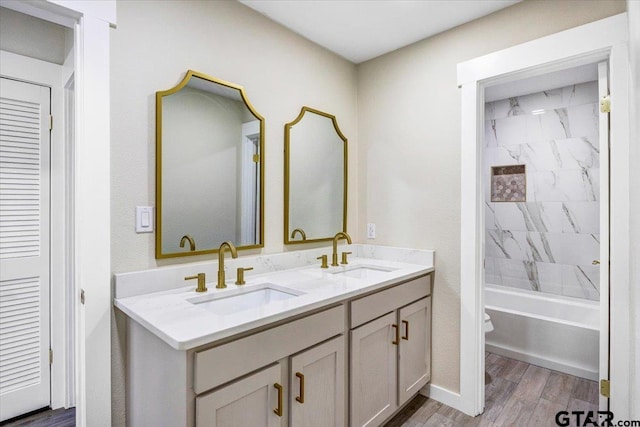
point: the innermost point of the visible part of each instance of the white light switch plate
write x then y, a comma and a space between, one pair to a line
144, 219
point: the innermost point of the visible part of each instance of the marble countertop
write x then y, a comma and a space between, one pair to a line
185, 325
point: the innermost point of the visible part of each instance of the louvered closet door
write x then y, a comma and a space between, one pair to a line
24, 248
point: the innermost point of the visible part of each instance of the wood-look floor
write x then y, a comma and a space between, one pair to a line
48, 418
516, 394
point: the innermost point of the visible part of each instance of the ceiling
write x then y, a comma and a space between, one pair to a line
359, 30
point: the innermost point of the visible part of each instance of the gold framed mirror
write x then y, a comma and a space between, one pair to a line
209, 168
315, 178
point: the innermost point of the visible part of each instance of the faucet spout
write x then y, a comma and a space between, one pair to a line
339, 235
301, 231
234, 254
192, 243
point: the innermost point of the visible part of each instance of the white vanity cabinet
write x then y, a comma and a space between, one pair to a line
390, 350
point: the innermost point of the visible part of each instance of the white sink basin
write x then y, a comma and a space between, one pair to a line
363, 272
243, 299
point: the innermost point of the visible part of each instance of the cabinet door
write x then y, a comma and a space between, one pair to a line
317, 391
414, 365
373, 371
250, 401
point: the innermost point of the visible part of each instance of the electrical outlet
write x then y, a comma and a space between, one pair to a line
371, 231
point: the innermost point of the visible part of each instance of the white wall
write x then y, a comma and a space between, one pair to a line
153, 46
634, 50
36, 38
409, 121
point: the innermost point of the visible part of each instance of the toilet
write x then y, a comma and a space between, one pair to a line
488, 326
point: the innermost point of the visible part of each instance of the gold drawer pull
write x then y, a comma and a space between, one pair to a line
406, 330
396, 341
300, 398
278, 410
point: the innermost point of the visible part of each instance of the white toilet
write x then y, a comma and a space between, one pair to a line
488, 326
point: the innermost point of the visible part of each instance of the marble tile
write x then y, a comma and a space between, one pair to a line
490, 134
581, 281
581, 217
491, 271
563, 185
583, 93
561, 154
584, 120
532, 216
577, 153
511, 130
560, 248
535, 276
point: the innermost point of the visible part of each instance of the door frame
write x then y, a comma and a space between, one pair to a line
605, 39
91, 21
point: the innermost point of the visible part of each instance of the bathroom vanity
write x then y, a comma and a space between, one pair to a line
296, 346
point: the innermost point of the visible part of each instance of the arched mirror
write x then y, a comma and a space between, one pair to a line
315, 178
209, 168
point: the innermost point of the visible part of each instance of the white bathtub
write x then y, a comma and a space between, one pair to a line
554, 332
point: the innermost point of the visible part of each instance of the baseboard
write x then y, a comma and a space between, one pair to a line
442, 395
543, 362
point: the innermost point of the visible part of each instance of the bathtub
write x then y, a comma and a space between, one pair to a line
554, 332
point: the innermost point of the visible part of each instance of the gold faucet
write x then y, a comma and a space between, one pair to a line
301, 231
234, 254
192, 243
339, 235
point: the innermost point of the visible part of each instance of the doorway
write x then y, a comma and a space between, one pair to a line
572, 48
545, 176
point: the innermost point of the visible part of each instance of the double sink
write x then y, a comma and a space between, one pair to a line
255, 296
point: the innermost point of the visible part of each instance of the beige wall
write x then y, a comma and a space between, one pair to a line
151, 49
409, 133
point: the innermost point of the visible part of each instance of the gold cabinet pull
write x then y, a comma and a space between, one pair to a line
278, 410
396, 341
406, 330
595, 262
300, 398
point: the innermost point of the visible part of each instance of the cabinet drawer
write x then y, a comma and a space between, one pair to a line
221, 364
375, 305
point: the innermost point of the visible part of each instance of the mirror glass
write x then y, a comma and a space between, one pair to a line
315, 178
209, 168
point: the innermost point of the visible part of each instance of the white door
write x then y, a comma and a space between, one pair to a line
603, 92
317, 390
414, 365
373, 371
24, 247
252, 401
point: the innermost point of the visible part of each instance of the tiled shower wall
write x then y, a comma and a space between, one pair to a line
546, 244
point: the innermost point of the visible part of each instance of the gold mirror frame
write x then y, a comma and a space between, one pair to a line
287, 168
245, 99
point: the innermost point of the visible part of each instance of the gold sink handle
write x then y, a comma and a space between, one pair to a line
202, 287
240, 275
